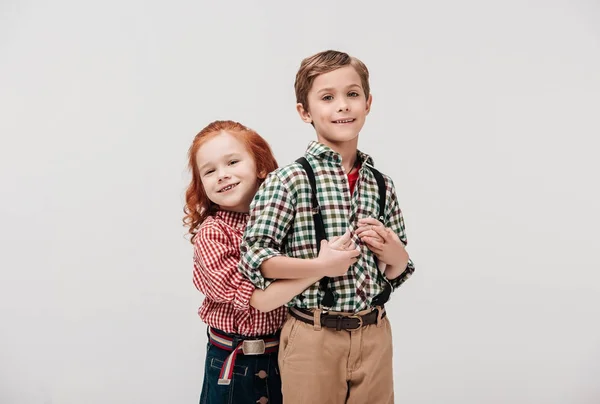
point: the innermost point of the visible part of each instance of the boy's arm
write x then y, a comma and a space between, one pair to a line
271, 216
283, 267
336, 255
334, 259
397, 276
279, 293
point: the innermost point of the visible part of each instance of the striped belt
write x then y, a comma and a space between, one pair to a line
246, 347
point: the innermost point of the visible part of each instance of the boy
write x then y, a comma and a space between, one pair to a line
336, 345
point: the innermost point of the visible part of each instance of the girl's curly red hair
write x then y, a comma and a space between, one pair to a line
197, 205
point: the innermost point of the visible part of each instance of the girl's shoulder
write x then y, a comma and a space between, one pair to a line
214, 229
209, 228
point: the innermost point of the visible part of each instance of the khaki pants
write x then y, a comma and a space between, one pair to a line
325, 366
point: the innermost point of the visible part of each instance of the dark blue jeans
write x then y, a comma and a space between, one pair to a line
254, 377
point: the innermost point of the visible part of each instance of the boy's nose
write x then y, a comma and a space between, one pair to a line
343, 107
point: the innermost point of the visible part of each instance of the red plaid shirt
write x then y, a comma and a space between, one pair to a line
227, 292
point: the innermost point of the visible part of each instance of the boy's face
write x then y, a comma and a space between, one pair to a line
337, 106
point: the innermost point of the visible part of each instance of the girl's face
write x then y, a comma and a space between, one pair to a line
228, 172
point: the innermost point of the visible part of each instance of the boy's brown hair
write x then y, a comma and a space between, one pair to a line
325, 62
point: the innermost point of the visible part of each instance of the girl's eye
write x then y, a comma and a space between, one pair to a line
232, 162
208, 172
327, 98
353, 94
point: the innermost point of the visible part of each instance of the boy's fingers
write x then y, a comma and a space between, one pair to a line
392, 235
369, 220
381, 231
373, 235
376, 231
374, 244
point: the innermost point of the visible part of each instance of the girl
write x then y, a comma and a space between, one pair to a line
228, 162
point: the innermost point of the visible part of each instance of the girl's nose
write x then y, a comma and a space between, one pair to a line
223, 175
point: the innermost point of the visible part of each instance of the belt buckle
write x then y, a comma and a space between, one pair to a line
253, 347
360, 322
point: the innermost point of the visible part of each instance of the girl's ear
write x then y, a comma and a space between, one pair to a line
262, 175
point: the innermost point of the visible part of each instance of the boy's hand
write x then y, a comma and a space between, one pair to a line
383, 242
336, 256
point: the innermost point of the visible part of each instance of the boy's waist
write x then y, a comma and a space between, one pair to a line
348, 297
339, 320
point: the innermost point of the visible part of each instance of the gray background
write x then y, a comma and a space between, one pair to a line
486, 114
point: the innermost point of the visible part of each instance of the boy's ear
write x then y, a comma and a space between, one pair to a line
304, 114
369, 101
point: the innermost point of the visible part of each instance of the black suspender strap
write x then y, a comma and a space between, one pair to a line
384, 296
316, 209
328, 298
381, 186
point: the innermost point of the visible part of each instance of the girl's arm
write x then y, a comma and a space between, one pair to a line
217, 277
215, 268
279, 293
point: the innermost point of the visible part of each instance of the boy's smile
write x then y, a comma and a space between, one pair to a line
337, 106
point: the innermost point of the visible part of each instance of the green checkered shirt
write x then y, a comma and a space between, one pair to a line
281, 223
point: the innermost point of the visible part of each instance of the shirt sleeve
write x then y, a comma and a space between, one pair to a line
215, 269
271, 215
396, 223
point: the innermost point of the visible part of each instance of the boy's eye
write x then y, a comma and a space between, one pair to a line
353, 94
327, 98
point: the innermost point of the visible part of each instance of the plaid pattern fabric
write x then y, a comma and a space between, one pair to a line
226, 305
281, 223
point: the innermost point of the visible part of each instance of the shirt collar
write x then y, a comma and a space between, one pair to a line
237, 220
322, 152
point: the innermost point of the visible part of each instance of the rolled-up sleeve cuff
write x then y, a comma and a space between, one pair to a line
251, 262
241, 300
410, 269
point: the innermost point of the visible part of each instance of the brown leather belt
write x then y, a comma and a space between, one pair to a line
338, 322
